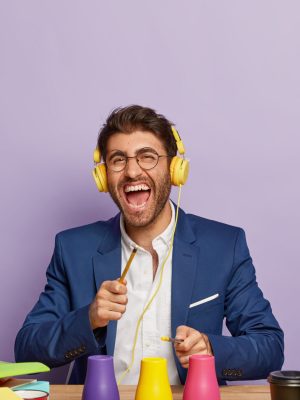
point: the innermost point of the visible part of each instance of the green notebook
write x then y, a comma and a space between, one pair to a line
22, 368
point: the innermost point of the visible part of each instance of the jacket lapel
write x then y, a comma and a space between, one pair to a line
184, 265
107, 266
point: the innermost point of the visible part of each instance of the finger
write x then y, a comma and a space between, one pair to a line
184, 358
114, 298
193, 340
182, 332
111, 315
116, 287
105, 305
194, 350
184, 361
114, 316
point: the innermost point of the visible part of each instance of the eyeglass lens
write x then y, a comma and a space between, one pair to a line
146, 158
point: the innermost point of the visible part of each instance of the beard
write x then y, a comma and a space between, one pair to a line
160, 193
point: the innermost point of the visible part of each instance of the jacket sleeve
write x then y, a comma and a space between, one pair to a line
256, 346
53, 333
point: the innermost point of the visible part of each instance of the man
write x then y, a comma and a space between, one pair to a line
183, 288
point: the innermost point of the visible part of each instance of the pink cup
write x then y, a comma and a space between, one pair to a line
201, 382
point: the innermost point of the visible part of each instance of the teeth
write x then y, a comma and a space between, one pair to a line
137, 206
136, 188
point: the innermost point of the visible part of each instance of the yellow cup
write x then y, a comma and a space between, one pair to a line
154, 381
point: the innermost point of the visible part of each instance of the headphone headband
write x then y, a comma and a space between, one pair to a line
179, 142
97, 156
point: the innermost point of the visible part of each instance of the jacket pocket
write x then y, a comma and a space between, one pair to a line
214, 300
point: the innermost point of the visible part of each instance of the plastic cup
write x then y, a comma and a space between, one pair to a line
201, 382
100, 382
153, 381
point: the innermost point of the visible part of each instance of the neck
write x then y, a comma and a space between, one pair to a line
144, 235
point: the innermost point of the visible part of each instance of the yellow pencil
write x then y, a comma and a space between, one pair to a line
170, 339
126, 269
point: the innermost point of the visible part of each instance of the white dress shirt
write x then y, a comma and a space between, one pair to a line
157, 319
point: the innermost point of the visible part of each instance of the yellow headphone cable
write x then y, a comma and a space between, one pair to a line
154, 294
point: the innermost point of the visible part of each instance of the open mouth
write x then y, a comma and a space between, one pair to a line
137, 195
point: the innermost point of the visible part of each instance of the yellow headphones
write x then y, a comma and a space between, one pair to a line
179, 168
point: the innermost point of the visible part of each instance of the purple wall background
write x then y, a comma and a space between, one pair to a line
227, 73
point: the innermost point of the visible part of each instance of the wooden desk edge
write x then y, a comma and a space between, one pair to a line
77, 389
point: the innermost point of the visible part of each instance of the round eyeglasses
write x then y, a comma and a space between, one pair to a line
146, 159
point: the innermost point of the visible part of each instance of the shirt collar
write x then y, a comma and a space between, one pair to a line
164, 237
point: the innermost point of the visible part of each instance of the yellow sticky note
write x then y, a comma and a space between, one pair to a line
7, 394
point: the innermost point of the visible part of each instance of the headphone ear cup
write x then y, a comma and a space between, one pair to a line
179, 170
100, 177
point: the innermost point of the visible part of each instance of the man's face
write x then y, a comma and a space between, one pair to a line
140, 194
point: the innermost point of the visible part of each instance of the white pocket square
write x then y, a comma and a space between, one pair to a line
197, 303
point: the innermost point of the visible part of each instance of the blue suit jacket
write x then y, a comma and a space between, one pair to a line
208, 258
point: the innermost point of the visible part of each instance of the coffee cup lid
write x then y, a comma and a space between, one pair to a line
284, 377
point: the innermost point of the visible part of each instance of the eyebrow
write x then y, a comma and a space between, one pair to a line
116, 153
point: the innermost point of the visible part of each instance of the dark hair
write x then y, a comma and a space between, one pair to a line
134, 117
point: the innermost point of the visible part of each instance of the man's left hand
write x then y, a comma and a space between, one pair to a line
194, 342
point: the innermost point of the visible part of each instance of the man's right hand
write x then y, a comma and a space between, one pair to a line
109, 303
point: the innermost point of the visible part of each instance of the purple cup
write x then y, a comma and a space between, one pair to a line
100, 382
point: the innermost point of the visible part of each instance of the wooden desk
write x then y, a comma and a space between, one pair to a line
73, 392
